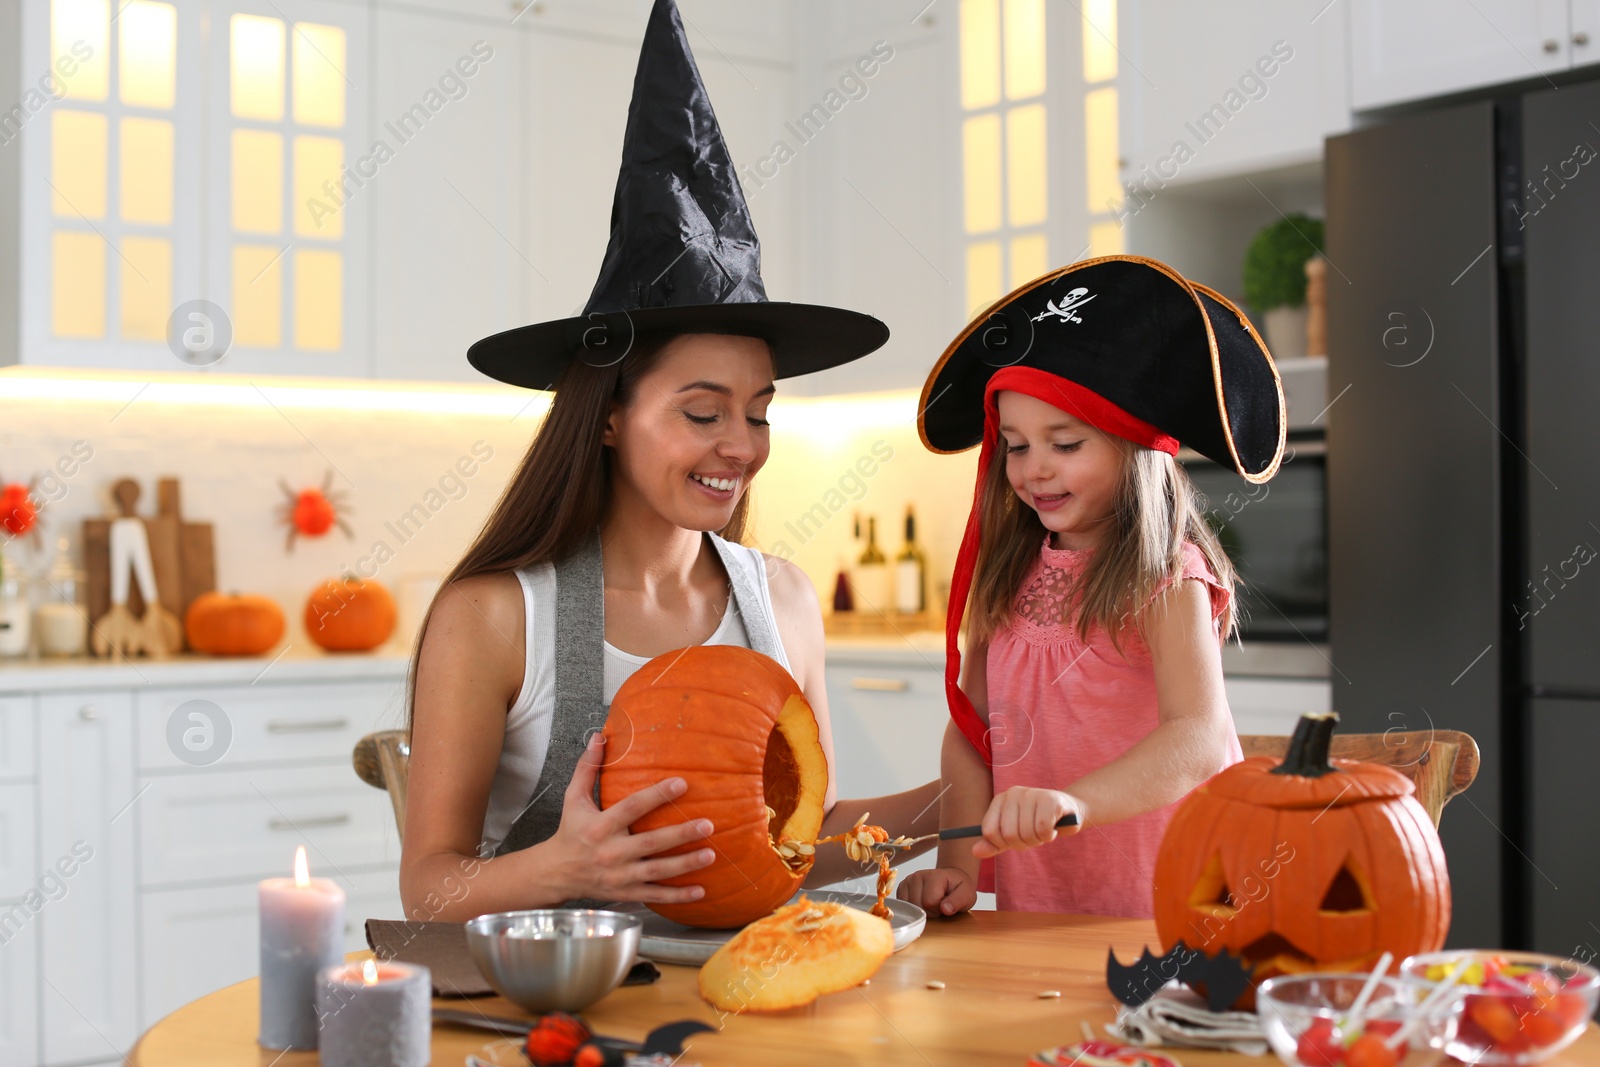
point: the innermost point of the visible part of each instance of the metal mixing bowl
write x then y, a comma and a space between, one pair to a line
554, 959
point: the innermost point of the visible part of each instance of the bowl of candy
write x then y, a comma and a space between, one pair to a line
1503, 1009
1337, 1020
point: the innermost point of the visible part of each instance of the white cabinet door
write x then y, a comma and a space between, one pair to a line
87, 817
1272, 706
453, 261
16, 736
19, 987
210, 936
1421, 48
888, 727
19, 868
1225, 88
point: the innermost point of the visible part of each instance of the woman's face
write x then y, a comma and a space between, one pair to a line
1063, 468
695, 431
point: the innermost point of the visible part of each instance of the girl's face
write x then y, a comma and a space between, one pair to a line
695, 431
1063, 468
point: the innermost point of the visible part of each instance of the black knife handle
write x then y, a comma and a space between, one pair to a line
1069, 819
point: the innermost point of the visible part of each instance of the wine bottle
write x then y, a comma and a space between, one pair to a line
910, 587
874, 586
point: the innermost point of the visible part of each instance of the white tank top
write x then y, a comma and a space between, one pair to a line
527, 736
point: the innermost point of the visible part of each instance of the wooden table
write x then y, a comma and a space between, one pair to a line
994, 966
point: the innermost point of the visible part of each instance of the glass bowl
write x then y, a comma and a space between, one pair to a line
1307, 1022
1510, 1008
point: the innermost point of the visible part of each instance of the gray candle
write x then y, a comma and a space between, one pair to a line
375, 1015
302, 933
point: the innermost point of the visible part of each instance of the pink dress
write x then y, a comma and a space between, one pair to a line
1060, 708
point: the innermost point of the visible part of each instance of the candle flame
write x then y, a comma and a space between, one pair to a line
369, 972
302, 872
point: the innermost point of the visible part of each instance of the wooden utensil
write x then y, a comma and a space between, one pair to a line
119, 632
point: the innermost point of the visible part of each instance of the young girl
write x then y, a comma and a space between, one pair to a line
1099, 597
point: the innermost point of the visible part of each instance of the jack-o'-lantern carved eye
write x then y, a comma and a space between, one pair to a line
1211, 893
1347, 892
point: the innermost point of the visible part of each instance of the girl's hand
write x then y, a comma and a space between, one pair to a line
595, 855
943, 891
1025, 817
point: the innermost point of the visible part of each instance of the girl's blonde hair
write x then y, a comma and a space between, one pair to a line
1155, 510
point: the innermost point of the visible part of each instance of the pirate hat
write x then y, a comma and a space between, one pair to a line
683, 256
1129, 346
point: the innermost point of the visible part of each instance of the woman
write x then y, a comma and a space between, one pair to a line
617, 540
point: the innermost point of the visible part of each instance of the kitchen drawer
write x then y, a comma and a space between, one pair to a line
245, 824
16, 736
18, 871
888, 727
262, 724
209, 938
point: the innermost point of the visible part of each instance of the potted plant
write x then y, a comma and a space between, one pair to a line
1275, 280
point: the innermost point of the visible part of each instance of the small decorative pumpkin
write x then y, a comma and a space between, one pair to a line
233, 624
1304, 865
735, 726
795, 955
350, 615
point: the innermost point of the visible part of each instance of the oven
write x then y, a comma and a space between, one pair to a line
1276, 534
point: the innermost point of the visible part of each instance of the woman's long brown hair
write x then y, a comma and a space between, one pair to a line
562, 488
1156, 509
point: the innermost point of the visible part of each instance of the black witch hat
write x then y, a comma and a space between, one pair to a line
683, 257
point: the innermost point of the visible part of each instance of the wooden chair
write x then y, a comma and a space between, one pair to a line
382, 760
1442, 763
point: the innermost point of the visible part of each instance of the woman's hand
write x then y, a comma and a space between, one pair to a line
942, 891
595, 854
1025, 817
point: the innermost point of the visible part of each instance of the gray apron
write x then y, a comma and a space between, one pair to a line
580, 709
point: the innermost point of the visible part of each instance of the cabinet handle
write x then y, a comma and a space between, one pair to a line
88, 713
312, 823
1552, 45
1580, 38
881, 685
305, 726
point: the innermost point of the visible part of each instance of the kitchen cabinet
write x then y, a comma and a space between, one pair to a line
1423, 48
453, 258
87, 820
1220, 89
226, 921
142, 865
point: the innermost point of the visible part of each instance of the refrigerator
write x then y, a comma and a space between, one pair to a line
1463, 245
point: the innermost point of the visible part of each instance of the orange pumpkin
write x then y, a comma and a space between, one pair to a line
734, 725
1303, 865
795, 955
233, 624
350, 615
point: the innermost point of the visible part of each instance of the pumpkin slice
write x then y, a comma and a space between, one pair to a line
795, 955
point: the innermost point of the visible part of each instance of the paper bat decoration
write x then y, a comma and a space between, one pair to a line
1224, 975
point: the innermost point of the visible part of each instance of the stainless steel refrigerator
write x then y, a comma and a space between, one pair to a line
1463, 245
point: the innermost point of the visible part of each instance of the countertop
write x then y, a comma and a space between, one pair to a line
911, 650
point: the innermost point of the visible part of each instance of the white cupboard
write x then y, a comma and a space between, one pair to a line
1424, 48
128, 871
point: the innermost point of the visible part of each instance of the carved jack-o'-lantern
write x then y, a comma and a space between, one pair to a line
1304, 865
734, 725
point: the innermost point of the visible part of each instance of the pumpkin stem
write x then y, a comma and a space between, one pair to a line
1308, 748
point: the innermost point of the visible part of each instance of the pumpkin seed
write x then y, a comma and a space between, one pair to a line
935, 984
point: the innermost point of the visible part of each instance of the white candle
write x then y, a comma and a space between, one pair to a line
375, 1015
302, 933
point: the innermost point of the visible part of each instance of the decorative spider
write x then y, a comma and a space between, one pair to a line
313, 512
19, 513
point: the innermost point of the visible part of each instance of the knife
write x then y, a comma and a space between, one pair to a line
954, 832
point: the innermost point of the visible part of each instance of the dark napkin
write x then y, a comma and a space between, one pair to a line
442, 948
